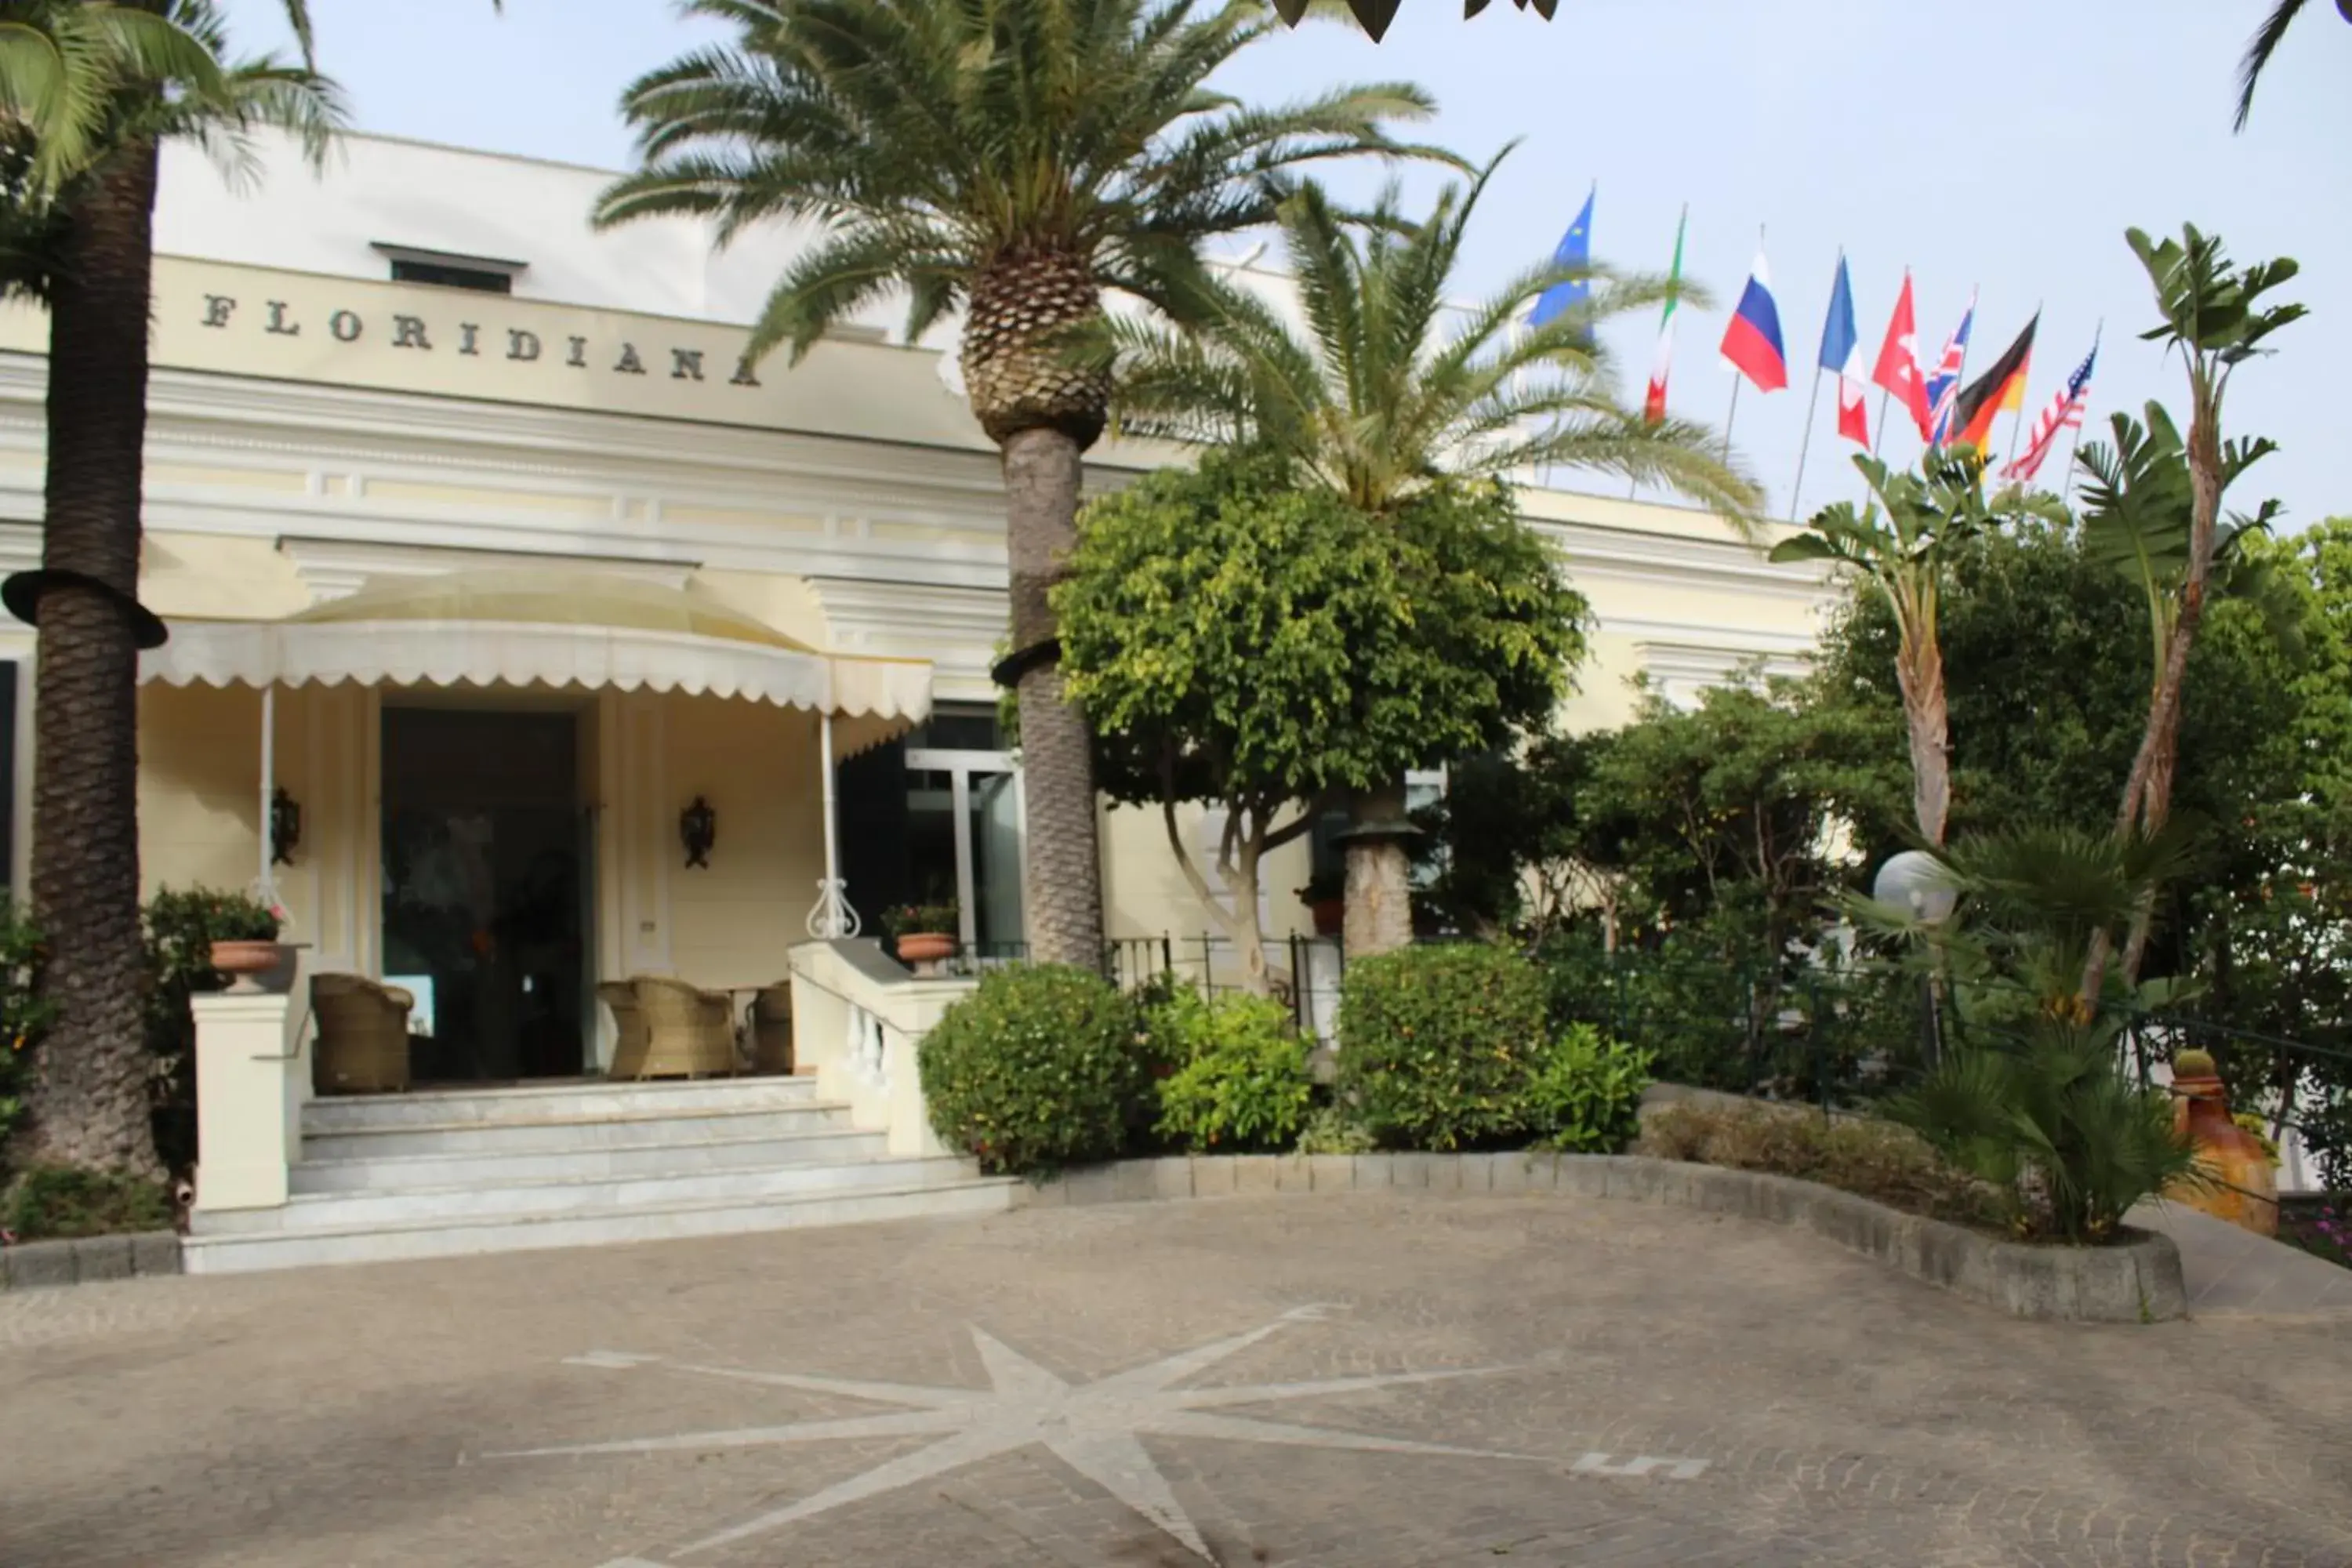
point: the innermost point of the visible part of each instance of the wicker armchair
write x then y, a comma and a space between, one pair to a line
771, 1031
363, 1035
691, 1032
630, 1038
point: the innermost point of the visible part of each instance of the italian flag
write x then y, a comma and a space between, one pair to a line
1653, 406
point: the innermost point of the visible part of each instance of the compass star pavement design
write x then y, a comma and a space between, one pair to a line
1092, 1427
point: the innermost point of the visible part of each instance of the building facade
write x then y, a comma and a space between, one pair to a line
494, 569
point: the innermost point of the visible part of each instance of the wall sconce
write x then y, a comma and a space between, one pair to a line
285, 828
698, 830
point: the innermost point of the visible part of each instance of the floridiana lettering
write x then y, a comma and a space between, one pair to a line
468, 340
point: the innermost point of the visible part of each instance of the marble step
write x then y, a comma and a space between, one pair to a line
620, 1130
253, 1251
591, 1101
338, 1210
410, 1173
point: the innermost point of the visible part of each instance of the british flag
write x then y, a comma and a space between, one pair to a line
1944, 386
2064, 413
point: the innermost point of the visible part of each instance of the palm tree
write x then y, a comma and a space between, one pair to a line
1901, 544
2264, 44
1384, 392
1374, 16
1018, 158
76, 220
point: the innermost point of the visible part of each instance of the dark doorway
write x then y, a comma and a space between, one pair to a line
483, 853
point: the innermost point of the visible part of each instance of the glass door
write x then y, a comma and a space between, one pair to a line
484, 912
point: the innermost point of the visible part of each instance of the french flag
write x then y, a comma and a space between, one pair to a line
1751, 343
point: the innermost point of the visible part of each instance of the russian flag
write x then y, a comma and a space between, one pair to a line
1751, 343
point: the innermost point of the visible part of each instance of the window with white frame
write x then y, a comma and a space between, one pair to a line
964, 824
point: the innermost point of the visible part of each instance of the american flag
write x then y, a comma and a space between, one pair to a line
1944, 386
2064, 413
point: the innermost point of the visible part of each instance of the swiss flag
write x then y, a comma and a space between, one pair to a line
1898, 364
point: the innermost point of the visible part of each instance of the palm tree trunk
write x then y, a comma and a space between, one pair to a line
1060, 843
1919, 671
89, 1095
1379, 909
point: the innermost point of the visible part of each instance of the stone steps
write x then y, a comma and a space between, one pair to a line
446, 1172
415, 1172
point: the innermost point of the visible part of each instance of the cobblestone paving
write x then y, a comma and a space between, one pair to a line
1844, 1414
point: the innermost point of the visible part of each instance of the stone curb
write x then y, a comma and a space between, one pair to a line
2138, 1281
86, 1259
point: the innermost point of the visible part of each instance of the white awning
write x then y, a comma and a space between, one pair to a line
555, 627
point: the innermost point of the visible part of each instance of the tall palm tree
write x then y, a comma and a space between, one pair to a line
1018, 158
2264, 44
1374, 16
77, 228
1384, 391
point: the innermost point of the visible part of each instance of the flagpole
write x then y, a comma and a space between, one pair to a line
2067, 495
2017, 420
1885, 397
1731, 415
1797, 490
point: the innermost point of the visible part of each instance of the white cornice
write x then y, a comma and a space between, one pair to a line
333, 568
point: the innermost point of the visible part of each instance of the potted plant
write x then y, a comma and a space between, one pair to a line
924, 934
244, 932
1325, 896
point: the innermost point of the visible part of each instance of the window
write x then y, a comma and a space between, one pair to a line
449, 276
964, 825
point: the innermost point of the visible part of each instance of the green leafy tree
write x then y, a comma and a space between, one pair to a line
1239, 639
1018, 161
1900, 543
90, 97
1382, 395
2215, 318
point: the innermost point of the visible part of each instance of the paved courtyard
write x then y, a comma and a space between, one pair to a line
1356, 1381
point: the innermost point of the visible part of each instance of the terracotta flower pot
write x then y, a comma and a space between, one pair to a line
925, 951
246, 960
2244, 1189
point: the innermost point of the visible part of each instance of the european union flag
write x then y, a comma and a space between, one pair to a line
1575, 251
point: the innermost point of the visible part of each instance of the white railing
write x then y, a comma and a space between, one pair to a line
857, 1020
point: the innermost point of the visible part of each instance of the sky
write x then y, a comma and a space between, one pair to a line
2003, 147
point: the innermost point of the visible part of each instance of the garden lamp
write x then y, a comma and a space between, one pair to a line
1916, 882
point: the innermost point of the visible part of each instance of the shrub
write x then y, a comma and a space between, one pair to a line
1438, 1045
22, 1015
56, 1201
1873, 1159
1333, 1130
1585, 1096
1240, 1079
181, 924
1043, 1065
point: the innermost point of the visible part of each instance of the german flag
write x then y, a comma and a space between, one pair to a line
2002, 386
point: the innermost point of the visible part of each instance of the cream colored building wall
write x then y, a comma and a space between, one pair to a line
757, 766
199, 750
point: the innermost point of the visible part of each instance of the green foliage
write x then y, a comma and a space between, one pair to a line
1240, 1080
1042, 1066
1870, 1158
2049, 1119
1389, 388
22, 1014
51, 1202
931, 142
1586, 1095
921, 920
1438, 1044
1334, 1130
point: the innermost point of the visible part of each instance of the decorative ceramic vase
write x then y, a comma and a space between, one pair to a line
925, 951
2244, 1188
245, 960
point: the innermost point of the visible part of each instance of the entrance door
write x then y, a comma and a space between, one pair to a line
483, 891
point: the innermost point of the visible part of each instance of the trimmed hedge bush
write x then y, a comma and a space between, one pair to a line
1042, 1066
1585, 1096
1240, 1079
1438, 1045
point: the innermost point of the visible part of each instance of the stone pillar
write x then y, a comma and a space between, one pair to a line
1378, 917
2244, 1188
252, 1076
